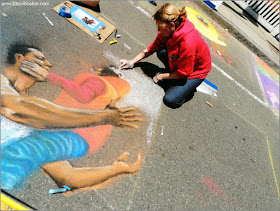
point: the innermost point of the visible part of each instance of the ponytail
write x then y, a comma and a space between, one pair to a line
170, 13
183, 12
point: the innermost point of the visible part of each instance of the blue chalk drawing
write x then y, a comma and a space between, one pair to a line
21, 157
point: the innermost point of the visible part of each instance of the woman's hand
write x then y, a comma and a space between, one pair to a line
126, 64
157, 78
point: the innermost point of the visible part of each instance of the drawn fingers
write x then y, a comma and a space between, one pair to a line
128, 125
127, 109
34, 70
136, 166
132, 119
123, 157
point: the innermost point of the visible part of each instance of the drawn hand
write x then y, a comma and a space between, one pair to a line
121, 166
122, 116
34, 70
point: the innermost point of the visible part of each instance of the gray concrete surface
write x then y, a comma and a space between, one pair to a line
199, 158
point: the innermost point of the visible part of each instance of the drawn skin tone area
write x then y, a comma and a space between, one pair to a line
30, 66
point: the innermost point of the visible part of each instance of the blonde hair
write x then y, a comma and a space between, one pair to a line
170, 13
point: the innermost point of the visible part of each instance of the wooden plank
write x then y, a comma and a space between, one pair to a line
105, 33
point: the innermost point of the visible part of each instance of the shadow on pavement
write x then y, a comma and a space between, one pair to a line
245, 15
151, 70
148, 69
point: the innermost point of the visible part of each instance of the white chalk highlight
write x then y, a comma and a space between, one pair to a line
112, 58
11, 130
144, 94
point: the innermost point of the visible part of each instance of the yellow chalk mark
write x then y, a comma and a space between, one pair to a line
271, 161
208, 30
11, 204
269, 152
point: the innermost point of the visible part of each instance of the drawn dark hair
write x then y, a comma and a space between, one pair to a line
108, 72
20, 49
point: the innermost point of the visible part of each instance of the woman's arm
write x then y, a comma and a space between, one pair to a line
160, 76
129, 64
168, 76
142, 55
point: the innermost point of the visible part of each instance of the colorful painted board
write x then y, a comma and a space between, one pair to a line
87, 20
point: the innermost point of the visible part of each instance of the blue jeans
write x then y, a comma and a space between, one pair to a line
177, 91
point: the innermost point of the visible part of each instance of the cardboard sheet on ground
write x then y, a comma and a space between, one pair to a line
87, 20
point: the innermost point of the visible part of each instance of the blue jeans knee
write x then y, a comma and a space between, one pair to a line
176, 95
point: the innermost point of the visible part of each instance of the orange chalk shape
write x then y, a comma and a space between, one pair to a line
209, 104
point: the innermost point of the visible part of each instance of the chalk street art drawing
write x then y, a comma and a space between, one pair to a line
204, 26
270, 82
222, 58
38, 134
139, 97
213, 188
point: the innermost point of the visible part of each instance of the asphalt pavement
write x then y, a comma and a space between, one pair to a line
196, 157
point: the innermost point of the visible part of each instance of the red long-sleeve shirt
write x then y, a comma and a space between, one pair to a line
188, 54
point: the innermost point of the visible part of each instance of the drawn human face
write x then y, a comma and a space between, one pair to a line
39, 58
165, 30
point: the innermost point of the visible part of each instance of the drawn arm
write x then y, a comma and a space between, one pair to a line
40, 113
63, 173
83, 93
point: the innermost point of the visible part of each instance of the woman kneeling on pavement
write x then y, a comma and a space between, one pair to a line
182, 50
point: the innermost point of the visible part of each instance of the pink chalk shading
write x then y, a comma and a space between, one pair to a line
212, 187
84, 92
201, 199
90, 91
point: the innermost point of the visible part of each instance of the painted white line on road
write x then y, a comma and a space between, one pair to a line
124, 31
140, 9
125, 45
112, 208
241, 86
